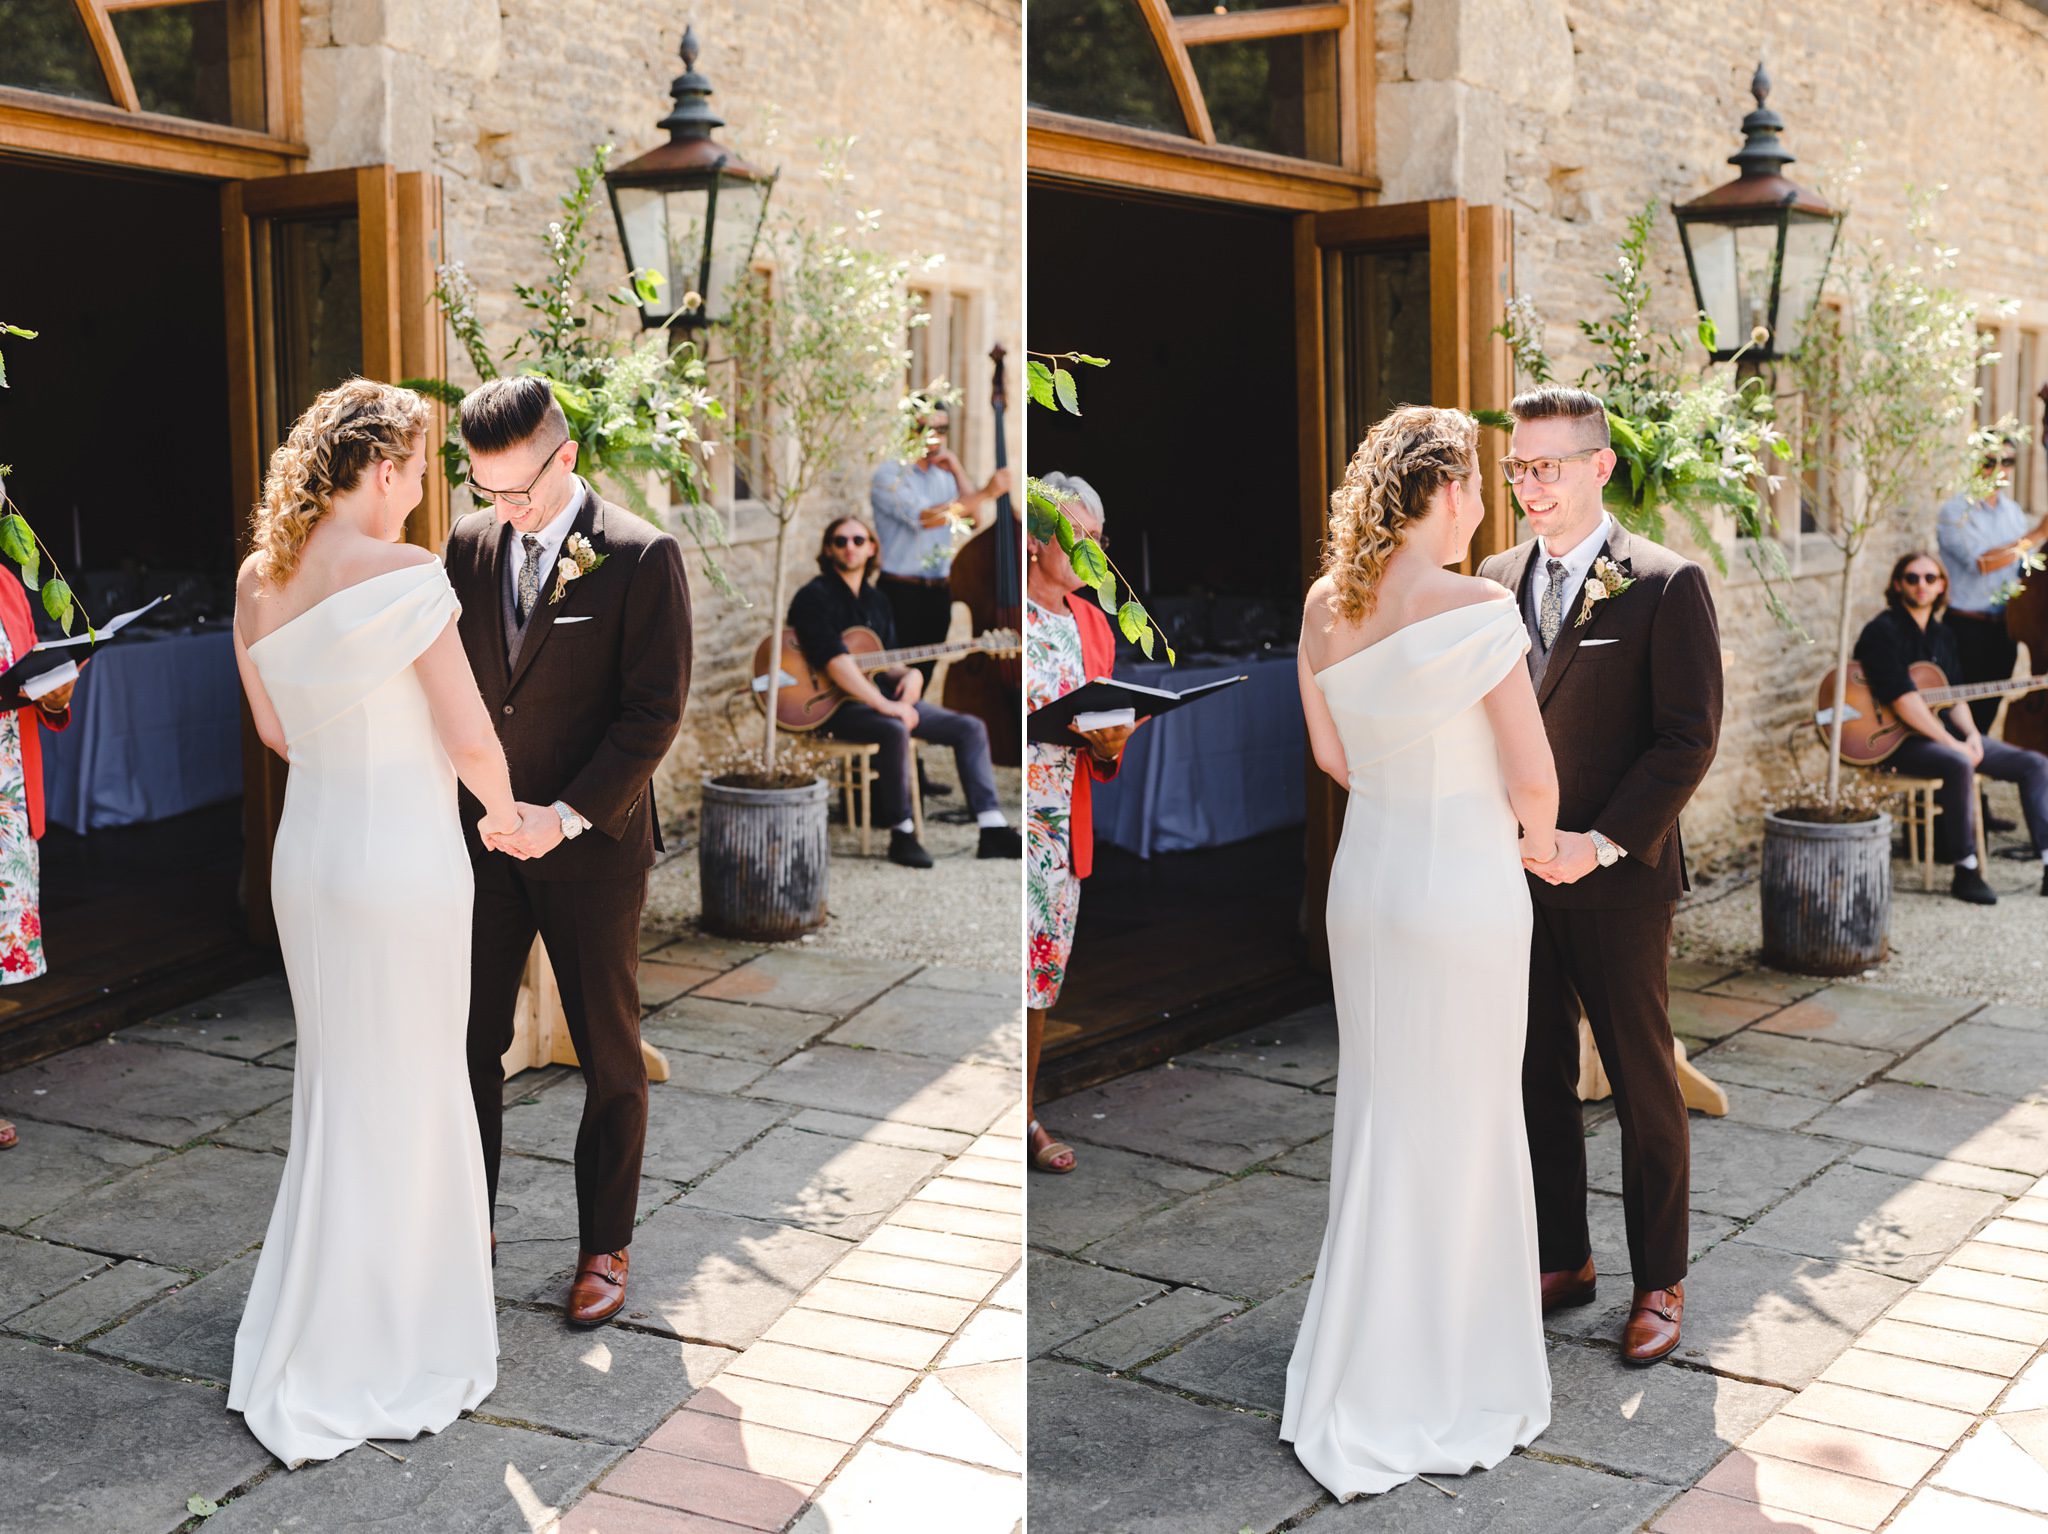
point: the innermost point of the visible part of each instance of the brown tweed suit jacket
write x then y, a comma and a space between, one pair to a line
1633, 718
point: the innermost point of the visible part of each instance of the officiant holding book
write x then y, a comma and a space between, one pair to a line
1067, 640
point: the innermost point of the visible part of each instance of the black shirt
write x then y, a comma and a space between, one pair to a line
1892, 641
823, 608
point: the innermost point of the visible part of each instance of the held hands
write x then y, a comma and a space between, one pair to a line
1107, 745
531, 831
1573, 860
57, 699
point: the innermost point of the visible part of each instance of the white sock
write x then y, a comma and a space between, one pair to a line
1968, 862
989, 818
907, 825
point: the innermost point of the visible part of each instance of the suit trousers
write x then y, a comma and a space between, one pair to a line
592, 932
1615, 963
1955, 828
967, 735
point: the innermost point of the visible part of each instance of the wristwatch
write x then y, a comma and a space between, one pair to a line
573, 824
1605, 851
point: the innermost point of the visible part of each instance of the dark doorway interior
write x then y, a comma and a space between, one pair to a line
116, 424
1190, 435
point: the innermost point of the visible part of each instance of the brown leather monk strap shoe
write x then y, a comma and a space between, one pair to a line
1653, 1321
1568, 1287
599, 1288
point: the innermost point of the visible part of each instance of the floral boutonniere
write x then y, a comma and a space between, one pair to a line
578, 559
1606, 579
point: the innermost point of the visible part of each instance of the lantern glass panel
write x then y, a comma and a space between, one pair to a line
1808, 244
1712, 247
643, 223
1756, 263
740, 206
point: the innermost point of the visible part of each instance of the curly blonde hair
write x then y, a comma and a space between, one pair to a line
1413, 452
341, 436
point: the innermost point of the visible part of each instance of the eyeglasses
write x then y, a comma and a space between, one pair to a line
522, 497
849, 540
1917, 578
1545, 470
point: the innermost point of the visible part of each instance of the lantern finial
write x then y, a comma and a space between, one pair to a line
1759, 84
690, 51
1761, 154
691, 117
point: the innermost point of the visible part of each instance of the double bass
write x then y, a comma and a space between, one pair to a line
988, 575
2026, 620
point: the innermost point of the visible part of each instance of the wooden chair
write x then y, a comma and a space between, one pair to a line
851, 768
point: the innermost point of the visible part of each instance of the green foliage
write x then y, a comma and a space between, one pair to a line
1685, 441
1050, 385
634, 402
18, 540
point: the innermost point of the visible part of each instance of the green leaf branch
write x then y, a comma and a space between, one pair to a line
18, 540
1050, 383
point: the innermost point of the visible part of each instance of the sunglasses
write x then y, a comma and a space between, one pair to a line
1916, 578
849, 540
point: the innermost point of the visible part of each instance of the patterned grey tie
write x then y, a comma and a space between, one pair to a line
529, 580
1551, 617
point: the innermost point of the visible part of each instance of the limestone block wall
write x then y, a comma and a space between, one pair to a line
504, 98
1575, 113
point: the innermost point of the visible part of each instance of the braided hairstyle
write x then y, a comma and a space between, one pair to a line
1413, 452
341, 437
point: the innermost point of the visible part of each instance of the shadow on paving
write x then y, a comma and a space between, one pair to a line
812, 1097
1870, 1135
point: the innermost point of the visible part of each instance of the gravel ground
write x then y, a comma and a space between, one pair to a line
1939, 946
964, 911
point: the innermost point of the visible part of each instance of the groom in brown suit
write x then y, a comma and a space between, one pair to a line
585, 674
1626, 657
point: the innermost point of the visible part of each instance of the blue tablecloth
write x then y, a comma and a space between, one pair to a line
1215, 771
156, 729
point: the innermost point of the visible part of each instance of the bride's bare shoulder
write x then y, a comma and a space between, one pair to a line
1448, 591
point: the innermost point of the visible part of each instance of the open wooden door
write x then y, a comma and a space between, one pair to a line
1394, 305
327, 275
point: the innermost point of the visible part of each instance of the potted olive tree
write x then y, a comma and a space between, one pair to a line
819, 347
1889, 377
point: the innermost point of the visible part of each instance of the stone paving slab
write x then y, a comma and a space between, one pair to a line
166, 1096
93, 1448
1956, 1174
194, 1210
1897, 1225
1132, 1338
612, 1384
192, 1331
471, 1478
32, 1271
53, 1163
1243, 1361
1954, 1126
1767, 1109
887, 1490
819, 1182
1979, 1057
1608, 1224
709, 1277
1108, 1190
1869, 1016
1299, 1050
761, 1035
852, 1126
270, 1130
940, 1025
1222, 1120
704, 1073
1250, 1238
1001, 984
933, 1420
883, 1085
688, 1133
1665, 1424
2007, 1014
536, 1225
1766, 985
1066, 1299
245, 1021
1207, 1470
1737, 1169
1311, 1160
94, 1302
1521, 1495
1697, 1018
807, 982
1802, 1067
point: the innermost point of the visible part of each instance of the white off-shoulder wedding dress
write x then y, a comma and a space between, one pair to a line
1421, 1351
371, 1314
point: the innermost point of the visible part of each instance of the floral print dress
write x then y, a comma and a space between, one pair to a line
1052, 664
21, 920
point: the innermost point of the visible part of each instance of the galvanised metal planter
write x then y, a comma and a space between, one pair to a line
1827, 894
762, 860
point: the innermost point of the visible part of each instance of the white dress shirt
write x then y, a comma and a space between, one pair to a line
1577, 565
552, 537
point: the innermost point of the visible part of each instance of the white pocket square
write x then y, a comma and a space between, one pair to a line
587, 617
1584, 644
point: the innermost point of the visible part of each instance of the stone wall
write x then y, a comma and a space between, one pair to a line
1575, 113
504, 98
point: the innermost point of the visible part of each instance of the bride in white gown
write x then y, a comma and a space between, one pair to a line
1422, 1350
371, 1314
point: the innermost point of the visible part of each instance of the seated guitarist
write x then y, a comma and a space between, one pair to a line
888, 709
1908, 630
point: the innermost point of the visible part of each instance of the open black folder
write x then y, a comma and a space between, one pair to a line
49, 654
1048, 725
